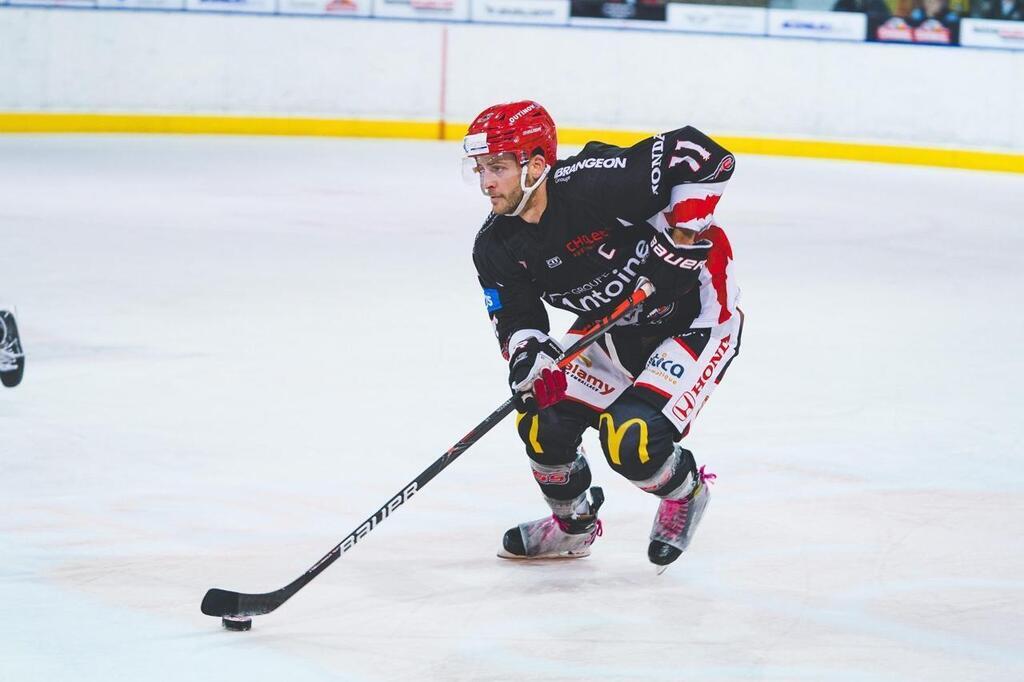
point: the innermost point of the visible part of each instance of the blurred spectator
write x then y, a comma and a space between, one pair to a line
931, 19
932, 9
876, 10
1007, 10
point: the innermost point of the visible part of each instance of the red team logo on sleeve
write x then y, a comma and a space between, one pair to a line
724, 166
697, 210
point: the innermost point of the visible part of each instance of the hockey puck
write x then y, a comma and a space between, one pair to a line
239, 624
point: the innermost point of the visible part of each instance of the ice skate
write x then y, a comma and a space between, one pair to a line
12, 357
677, 521
555, 537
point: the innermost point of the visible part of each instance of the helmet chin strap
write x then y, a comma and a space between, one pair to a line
528, 191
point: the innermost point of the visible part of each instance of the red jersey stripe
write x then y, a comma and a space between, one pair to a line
685, 347
693, 209
718, 260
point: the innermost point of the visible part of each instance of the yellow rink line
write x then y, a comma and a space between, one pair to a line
11, 122
431, 130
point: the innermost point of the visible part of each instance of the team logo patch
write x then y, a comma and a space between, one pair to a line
556, 478
492, 299
724, 166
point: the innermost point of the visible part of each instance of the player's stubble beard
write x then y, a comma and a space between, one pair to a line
509, 201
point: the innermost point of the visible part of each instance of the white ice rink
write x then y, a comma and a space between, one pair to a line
239, 348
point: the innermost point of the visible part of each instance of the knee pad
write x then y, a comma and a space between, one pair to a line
552, 438
553, 435
636, 437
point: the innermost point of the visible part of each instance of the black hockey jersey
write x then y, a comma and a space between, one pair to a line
602, 206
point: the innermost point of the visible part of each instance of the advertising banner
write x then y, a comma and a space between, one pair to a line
353, 8
142, 4
55, 3
521, 11
266, 6
992, 33
821, 25
452, 10
617, 14
718, 19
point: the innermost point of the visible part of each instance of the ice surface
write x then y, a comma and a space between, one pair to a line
239, 348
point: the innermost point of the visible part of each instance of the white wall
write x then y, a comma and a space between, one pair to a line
767, 86
59, 60
64, 60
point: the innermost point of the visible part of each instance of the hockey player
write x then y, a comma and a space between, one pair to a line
12, 357
578, 234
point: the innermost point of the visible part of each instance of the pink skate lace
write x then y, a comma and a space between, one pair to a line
672, 513
672, 516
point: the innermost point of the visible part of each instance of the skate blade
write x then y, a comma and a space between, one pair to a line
661, 569
502, 554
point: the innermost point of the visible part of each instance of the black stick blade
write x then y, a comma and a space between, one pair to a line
221, 603
238, 604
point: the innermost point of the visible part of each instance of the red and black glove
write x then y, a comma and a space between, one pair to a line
673, 268
535, 378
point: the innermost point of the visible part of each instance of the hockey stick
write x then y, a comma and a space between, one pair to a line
238, 605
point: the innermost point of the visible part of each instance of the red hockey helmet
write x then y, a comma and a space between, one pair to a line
517, 127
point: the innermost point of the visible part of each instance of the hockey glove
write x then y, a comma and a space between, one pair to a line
674, 269
535, 378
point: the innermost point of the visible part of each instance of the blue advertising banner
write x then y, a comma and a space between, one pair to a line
142, 4
796, 23
55, 3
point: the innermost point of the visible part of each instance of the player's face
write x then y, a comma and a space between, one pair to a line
500, 181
